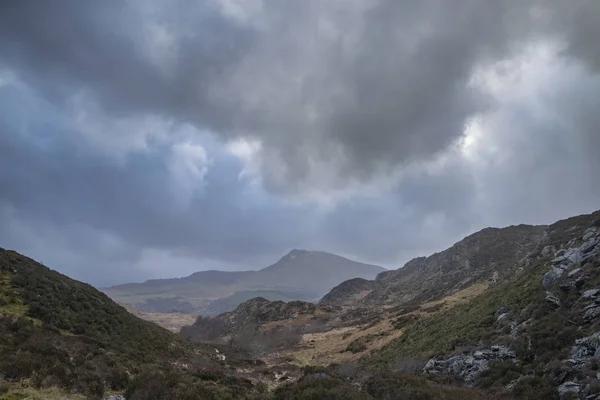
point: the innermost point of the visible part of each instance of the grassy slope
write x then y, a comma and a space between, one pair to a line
540, 345
58, 332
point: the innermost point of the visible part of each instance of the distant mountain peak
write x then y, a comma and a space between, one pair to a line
297, 253
292, 277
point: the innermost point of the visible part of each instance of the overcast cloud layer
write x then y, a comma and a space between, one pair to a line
154, 138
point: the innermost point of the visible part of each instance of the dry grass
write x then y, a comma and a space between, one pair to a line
10, 305
329, 347
460, 297
170, 321
27, 393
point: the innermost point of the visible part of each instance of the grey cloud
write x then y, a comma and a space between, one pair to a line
339, 93
358, 90
50, 178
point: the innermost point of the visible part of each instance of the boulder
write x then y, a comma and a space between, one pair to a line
588, 246
552, 299
501, 317
590, 294
585, 349
559, 260
589, 233
569, 387
574, 272
551, 276
468, 366
514, 330
572, 284
591, 312
546, 251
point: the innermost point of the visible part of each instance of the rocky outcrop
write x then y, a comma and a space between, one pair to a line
468, 366
552, 299
349, 291
585, 350
552, 276
569, 387
566, 268
252, 313
591, 312
590, 294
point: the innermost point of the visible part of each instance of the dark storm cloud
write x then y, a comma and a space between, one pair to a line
106, 47
131, 200
359, 89
55, 184
361, 104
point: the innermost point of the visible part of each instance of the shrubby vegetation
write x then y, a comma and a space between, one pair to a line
57, 332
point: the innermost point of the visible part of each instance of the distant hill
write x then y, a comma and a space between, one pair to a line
299, 275
56, 332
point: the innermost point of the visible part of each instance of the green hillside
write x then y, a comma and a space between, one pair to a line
58, 332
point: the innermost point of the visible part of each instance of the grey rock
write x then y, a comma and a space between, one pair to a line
495, 277
551, 276
468, 366
500, 311
572, 284
430, 364
115, 397
559, 259
590, 294
560, 253
585, 349
514, 330
592, 313
588, 246
552, 299
546, 251
574, 272
501, 317
589, 233
569, 387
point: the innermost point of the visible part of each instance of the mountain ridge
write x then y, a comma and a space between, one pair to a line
487, 255
291, 277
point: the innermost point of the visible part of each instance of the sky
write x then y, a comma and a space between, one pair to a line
149, 139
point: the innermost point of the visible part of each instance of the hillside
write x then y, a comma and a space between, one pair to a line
535, 334
518, 316
214, 292
349, 292
56, 332
489, 255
